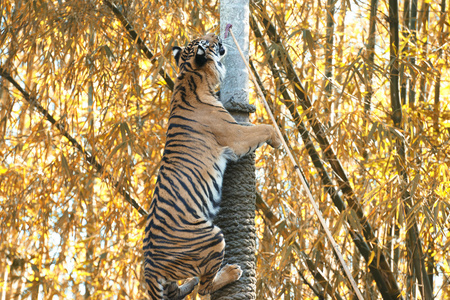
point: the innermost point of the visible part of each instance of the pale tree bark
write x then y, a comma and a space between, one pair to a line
237, 214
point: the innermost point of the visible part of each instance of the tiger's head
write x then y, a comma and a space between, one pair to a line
202, 55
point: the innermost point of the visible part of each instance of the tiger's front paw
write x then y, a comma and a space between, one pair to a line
275, 141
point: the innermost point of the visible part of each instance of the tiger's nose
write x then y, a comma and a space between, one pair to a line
222, 49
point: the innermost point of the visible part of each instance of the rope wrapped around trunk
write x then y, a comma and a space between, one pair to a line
237, 221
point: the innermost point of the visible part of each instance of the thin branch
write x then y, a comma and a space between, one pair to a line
88, 157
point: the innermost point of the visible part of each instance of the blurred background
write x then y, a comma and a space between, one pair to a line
83, 113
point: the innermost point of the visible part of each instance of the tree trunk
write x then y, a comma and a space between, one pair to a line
237, 214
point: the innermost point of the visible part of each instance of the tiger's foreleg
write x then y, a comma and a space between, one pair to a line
246, 139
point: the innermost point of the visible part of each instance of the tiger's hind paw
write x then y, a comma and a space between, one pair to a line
226, 275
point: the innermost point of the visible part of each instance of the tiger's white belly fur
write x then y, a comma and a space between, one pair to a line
221, 164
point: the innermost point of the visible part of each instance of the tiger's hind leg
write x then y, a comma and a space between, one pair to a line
228, 274
174, 292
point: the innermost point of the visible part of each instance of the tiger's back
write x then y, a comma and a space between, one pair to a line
181, 240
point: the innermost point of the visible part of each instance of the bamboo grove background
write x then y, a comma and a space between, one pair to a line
361, 91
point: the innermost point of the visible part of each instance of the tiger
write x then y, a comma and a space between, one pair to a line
181, 240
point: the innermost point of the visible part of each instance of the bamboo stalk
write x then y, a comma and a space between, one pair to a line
394, 63
413, 28
415, 250
404, 80
371, 54
424, 21
329, 43
437, 89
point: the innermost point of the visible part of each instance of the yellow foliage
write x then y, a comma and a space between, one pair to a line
66, 227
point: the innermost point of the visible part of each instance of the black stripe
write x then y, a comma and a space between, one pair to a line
189, 209
192, 83
178, 196
186, 188
170, 155
182, 118
182, 126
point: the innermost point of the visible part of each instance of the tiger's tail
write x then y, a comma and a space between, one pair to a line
176, 292
170, 289
154, 287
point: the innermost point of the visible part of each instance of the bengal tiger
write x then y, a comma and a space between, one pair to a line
181, 240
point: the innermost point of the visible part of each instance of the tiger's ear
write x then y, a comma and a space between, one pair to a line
176, 51
200, 56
